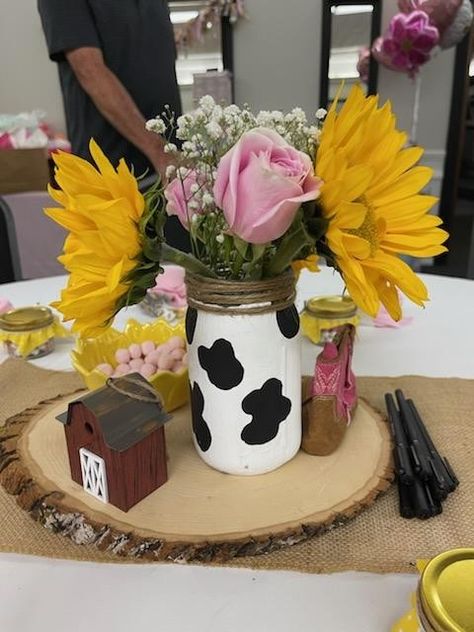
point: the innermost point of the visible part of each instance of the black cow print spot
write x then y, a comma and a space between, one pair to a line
288, 321
222, 367
191, 320
268, 408
200, 427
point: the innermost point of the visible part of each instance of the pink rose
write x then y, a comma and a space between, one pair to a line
260, 185
180, 198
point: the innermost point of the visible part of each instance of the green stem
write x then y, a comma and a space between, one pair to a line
186, 261
287, 252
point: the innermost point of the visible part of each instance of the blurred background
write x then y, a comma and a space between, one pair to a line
280, 55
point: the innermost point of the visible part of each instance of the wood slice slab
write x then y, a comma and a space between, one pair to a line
199, 514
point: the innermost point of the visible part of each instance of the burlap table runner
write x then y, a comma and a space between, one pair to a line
377, 540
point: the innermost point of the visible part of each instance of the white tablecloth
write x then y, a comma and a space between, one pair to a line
53, 596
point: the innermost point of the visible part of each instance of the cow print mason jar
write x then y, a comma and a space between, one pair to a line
245, 382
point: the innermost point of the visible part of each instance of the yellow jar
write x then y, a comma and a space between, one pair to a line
322, 314
444, 600
29, 332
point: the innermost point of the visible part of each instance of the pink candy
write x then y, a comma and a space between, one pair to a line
148, 359
136, 364
147, 370
107, 369
147, 347
122, 356
135, 351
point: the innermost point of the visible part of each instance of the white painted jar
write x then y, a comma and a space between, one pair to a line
245, 381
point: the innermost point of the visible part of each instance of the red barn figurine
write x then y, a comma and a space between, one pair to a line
116, 441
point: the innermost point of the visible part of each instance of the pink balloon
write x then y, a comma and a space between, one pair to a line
408, 43
452, 18
363, 65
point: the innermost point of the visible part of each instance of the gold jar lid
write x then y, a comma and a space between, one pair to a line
331, 307
26, 319
446, 591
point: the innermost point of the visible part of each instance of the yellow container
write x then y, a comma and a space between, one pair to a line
173, 387
322, 314
29, 332
444, 601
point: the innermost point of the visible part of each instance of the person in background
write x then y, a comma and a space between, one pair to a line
116, 62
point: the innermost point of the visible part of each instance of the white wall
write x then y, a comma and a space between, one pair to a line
28, 79
277, 53
277, 59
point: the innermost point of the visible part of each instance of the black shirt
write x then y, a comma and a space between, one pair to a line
137, 42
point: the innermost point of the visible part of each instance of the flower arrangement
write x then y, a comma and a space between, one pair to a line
258, 194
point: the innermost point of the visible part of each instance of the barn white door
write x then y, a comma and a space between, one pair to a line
94, 476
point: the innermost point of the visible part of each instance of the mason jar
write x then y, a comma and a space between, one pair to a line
444, 600
322, 316
27, 332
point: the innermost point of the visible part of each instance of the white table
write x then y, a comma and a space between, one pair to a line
52, 596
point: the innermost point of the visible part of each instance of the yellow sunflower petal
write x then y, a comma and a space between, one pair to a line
386, 194
408, 184
101, 210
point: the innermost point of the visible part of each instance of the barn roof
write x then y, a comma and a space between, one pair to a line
123, 419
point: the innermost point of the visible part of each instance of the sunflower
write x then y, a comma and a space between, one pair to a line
100, 208
371, 197
310, 263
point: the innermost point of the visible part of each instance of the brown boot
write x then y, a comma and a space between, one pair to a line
330, 397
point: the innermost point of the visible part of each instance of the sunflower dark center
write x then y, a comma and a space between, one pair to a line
368, 229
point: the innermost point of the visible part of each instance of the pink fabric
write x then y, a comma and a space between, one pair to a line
333, 376
171, 285
5, 305
383, 319
260, 185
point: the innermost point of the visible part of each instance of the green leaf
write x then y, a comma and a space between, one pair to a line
309, 209
152, 249
287, 251
186, 261
241, 246
317, 227
258, 250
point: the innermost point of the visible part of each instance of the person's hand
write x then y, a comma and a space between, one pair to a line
156, 154
161, 164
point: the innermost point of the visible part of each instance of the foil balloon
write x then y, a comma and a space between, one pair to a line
363, 65
408, 43
452, 18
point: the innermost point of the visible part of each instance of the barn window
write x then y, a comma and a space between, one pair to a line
94, 477
88, 427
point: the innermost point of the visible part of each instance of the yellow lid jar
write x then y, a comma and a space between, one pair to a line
445, 596
323, 314
444, 600
28, 332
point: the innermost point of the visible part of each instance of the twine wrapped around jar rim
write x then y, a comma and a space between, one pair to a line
241, 297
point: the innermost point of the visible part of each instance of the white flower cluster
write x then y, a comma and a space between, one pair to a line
210, 130
156, 125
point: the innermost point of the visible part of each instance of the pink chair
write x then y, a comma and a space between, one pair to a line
35, 240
